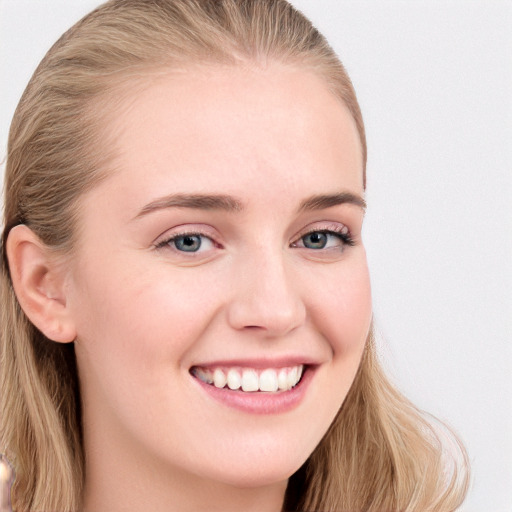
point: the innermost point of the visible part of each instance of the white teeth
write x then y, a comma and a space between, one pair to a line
219, 378
269, 380
292, 377
250, 380
234, 379
282, 380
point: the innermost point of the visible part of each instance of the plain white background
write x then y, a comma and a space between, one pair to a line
434, 79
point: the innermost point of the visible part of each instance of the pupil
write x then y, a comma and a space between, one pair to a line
315, 240
189, 243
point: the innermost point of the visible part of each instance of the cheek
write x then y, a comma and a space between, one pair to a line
135, 330
140, 314
341, 313
343, 308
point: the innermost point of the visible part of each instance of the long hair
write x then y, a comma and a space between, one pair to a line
380, 453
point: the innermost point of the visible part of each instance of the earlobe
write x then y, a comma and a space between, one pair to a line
38, 280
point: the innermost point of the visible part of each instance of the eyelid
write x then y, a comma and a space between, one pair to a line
186, 230
336, 228
326, 227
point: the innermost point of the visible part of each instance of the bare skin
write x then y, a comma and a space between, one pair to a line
227, 237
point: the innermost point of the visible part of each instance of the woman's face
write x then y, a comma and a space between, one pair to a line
225, 246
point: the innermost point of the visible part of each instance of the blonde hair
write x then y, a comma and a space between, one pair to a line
380, 453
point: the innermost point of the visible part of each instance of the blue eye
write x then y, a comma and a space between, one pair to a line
325, 239
187, 243
315, 240
190, 243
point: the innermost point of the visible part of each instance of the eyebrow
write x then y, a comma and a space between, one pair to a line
320, 202
195, 201
231, 204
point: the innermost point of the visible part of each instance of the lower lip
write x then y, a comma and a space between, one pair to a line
260, 402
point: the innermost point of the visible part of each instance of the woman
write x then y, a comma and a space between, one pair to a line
185, 296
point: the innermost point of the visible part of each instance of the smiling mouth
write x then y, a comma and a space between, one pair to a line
250, 380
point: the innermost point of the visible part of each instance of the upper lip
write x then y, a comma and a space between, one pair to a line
261, 362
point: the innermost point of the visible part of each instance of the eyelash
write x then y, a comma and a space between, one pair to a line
168, 241
339, 232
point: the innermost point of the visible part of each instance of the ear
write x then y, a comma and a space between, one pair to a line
39, 283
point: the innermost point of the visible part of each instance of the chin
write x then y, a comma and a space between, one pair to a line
265, 468
257, 477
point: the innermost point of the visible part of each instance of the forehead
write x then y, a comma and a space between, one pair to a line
199, 128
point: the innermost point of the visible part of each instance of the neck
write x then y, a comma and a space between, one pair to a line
191, 499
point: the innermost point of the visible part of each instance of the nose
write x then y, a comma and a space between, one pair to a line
265, 297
